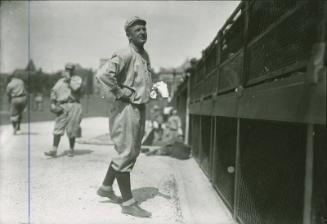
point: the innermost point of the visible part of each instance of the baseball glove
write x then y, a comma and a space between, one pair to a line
56, 109
75, 83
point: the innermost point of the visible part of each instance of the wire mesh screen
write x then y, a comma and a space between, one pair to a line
325, 33
192, 93
232, 39
181, 106
200, 73
195, 135
211, 58
272, 161
190, 130
231, 73
319, 210
289, 43
264, 13
226, 132
206, 129
209, 85
193, 78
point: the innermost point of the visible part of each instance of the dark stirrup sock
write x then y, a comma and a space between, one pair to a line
19, 121
71, 143
124, 183
56, 140
110, 176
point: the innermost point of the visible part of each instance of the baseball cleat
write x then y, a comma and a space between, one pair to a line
51, 153
111, 195
135, 210
71, 153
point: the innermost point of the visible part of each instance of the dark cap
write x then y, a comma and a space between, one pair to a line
131, 21
69, 66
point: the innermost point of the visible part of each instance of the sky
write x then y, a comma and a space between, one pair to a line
53, 33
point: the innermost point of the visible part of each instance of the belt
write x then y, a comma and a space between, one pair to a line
18, 96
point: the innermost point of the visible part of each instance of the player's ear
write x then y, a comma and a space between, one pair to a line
128, 33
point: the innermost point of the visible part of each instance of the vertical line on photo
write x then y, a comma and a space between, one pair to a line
29, 117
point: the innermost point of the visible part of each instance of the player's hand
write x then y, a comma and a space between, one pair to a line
75, 83
56, 109
127, 95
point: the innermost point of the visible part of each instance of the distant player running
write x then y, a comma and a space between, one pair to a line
17, 97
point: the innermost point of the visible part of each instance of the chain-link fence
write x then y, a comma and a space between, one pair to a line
195, 140
206, 142
272, 161
224, 158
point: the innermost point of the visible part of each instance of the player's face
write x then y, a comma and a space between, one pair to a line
137, 34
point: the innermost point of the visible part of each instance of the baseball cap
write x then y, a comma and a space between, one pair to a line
130, 22
69, 66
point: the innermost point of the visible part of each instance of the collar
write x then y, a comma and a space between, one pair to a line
138, 50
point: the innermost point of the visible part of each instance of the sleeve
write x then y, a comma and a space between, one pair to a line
53, 93
109, 73
8, 90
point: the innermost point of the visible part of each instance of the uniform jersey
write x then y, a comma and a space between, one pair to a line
64, 91
128, 69
15, 88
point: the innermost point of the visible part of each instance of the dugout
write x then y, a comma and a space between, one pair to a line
256, 112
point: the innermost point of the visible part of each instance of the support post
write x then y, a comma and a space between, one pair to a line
308, 178
187, 116
237, 169
212, 149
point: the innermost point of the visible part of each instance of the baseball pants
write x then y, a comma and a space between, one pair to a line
69, 120
126, 124
17, 107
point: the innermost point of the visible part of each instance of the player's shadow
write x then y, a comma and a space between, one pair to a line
27, 133
81, 152
144, 193
77, 152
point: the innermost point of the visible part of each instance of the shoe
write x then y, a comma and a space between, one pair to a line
51, 153
145, 150
111, 195
71, 153
135, 210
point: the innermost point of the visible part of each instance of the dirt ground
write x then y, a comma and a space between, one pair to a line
40, 190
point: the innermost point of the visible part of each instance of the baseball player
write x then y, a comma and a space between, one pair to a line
128, 78
174, 126
17, 97
65, 96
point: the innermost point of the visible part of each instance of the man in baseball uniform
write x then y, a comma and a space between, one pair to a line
128, 78
65, 96
17, 97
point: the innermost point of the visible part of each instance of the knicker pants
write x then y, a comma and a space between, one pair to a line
126, 123
69, 120
17, 106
